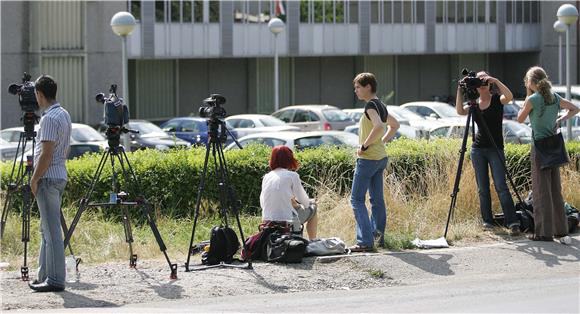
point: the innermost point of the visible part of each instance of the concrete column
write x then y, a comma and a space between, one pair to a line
227, 28
364, 26
148, 29
293, 27
430, 22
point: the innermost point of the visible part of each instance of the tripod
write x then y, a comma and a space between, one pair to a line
227, 196
23, 177
118, 198
474, 111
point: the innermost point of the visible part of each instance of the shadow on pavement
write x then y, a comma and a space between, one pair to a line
552, 253
167, 290
434, 263
73, 300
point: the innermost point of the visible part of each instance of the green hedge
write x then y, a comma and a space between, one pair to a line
169, 180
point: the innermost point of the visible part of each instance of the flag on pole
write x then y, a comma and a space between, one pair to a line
279, 9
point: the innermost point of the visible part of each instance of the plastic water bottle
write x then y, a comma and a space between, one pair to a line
71, 268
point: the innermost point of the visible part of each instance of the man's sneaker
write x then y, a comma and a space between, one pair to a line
487, 226
514, 230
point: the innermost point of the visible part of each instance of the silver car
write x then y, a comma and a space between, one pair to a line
245, 124
299, 140
314, 117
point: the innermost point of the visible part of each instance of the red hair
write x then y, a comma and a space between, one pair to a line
282, 157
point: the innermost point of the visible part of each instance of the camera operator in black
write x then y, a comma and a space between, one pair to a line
483, 154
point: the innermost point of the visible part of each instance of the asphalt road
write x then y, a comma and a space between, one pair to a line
521, 276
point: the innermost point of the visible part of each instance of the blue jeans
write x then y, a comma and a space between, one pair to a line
51, 257
368, 176
483, 159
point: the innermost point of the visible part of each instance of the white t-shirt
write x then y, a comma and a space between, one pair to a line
278, 188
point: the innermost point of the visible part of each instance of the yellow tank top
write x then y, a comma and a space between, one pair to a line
377, 150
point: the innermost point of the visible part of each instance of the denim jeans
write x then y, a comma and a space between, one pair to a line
483, 159
368, 176
51, 257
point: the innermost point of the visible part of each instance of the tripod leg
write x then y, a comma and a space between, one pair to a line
198, 202
147, 212
5, 209
85, 201
26, 203
233, 200
129, 237
458, 172
13, 187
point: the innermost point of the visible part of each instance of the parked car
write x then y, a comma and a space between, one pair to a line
314, 117
80, 133
354, 113
79, 149
403, 131
448, 130
299, 140
419, 125
434, 110
513, 132
7, 150
574, 90
575, 120
193, 130
245, 124
152, 136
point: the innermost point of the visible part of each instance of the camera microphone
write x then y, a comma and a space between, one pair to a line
100, 97
465, 71
14, 88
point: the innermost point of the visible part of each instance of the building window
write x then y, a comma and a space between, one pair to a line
160, 11
252, 11
135, 9
492, 11
178, 11
330, 11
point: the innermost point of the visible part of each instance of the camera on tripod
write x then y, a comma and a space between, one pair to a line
213, 107
116, 115
470, 83
28, 103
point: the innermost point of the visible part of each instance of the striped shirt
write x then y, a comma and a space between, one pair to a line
55, 126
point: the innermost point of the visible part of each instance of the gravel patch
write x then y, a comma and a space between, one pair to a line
116, 284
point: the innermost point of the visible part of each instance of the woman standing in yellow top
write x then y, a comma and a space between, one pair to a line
376, 127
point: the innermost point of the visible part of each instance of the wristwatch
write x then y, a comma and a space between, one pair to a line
363, 148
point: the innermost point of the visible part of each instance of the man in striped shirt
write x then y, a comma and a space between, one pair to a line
48, 182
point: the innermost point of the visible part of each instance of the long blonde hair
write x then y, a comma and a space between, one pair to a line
538, 76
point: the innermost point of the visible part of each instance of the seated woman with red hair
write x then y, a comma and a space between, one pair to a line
283, 198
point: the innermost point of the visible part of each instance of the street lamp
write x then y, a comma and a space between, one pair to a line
123, 24
276, 26
568, 14
559, 27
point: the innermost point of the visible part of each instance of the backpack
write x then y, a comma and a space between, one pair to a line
255, 247
223, 244
286, 248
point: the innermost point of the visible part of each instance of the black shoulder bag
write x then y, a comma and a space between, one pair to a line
551, 151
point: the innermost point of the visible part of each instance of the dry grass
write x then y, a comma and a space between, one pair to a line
422, 210
417, 206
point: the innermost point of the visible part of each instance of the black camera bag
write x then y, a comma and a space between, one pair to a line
286, 248
223, 245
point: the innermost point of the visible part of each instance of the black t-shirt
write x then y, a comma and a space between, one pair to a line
493, 116
379, 107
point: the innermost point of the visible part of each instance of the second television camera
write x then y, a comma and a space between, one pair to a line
28, 103
470, 83
213, 107
116, 115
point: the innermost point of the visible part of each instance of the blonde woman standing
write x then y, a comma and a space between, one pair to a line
543, 106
